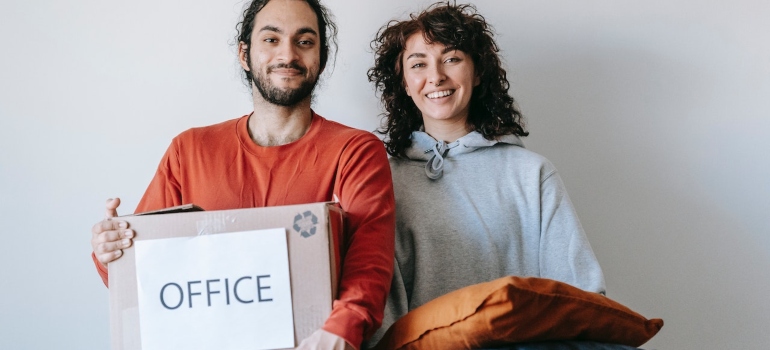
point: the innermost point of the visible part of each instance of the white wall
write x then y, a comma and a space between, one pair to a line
657, 114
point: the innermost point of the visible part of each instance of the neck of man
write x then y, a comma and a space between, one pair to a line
447, 131
274, 125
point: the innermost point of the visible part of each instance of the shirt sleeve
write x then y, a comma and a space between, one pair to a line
163, 192
365, 189
395, 308
565, 254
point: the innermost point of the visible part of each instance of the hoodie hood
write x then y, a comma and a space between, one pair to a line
426, 148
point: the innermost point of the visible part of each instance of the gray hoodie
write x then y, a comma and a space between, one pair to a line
475, 210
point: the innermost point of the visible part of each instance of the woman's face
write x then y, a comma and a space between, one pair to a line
440, 81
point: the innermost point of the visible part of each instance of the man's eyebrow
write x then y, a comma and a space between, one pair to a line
306, 30
303, 30
270, 28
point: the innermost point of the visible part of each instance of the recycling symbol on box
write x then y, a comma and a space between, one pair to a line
305, 223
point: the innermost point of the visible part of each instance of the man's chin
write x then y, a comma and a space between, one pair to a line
286, 97
285, 92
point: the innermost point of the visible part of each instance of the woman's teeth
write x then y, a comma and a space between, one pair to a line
438, 94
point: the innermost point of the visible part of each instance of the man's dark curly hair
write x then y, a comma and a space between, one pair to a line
326, 26
492, 111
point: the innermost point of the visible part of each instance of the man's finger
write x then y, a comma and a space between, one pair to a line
106, 258
108, 225
111, 207
112, 236
107, 247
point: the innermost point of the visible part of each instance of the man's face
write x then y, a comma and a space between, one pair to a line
284, 58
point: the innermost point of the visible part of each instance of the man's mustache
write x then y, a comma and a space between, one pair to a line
291, 65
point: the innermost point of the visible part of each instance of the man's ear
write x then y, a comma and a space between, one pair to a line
243, 55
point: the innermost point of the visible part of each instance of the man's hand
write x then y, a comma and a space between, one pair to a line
110, 237
323, 340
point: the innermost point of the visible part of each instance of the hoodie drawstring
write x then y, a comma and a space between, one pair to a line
434, 168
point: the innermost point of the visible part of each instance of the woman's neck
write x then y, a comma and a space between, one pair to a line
447, 131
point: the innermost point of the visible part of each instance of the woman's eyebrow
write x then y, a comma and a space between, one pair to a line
416, 55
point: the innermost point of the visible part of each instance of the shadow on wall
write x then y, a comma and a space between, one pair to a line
634, 136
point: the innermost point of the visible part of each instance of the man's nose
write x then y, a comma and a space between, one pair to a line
287, 51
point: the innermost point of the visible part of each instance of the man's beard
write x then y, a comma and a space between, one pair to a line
284, 97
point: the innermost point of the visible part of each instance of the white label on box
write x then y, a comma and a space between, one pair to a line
222, 291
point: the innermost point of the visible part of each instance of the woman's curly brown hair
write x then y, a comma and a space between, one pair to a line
492, 110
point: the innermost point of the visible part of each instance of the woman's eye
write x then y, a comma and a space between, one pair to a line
418, 65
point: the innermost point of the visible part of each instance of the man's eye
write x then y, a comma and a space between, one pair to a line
305, 42
271, 40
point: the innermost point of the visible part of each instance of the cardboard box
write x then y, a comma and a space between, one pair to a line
313, 233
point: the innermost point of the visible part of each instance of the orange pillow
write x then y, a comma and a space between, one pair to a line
517, 309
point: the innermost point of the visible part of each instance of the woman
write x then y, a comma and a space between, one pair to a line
472, 203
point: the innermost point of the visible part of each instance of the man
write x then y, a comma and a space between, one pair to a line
283, 153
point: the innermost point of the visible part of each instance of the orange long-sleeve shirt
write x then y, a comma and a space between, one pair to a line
219, 167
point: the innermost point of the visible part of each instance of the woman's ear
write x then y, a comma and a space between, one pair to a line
406, 87
243, 56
